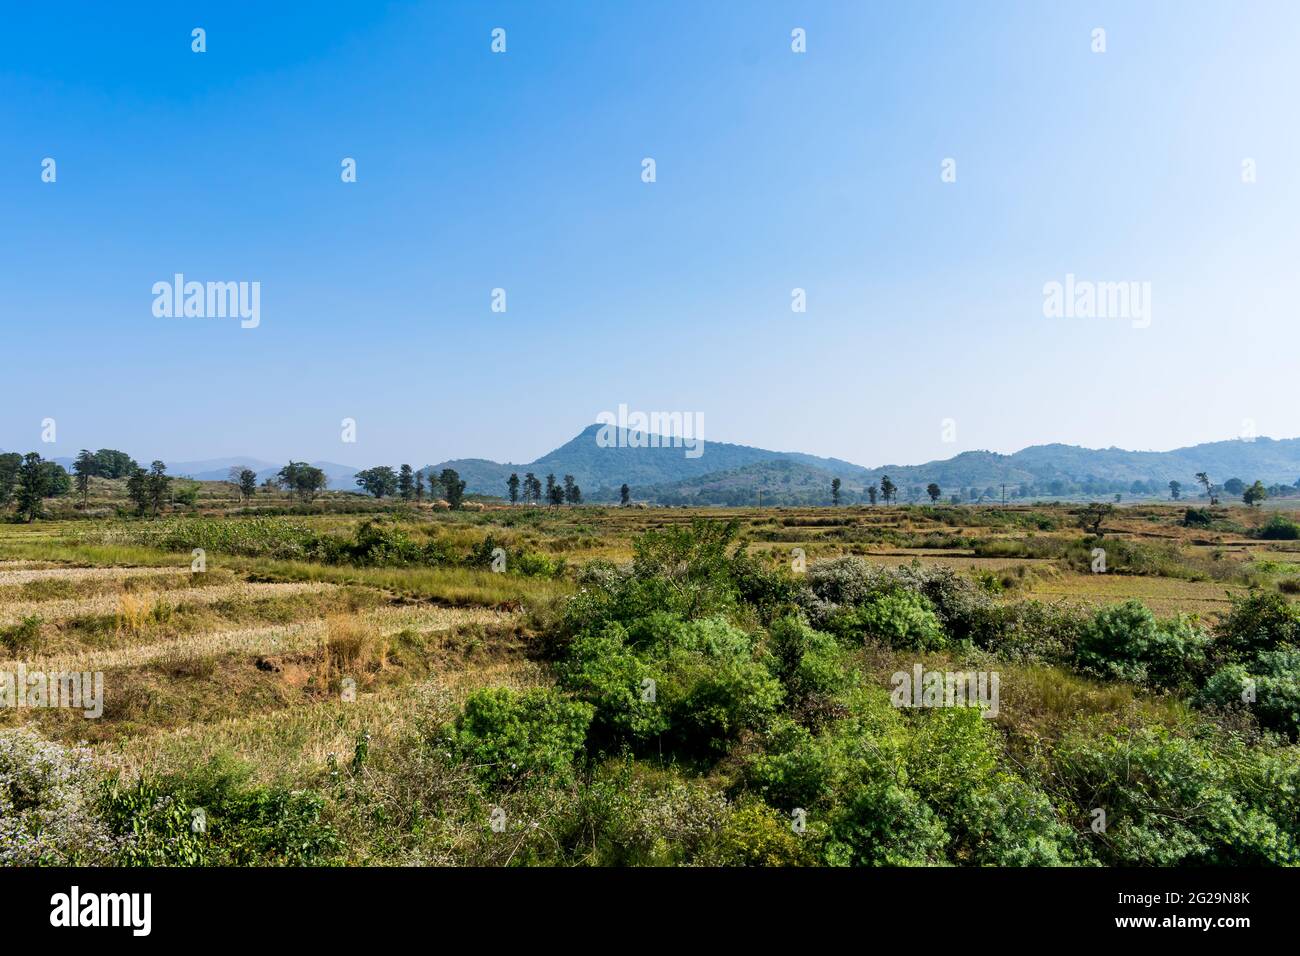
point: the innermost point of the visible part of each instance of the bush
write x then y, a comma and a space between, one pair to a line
48, 805
1179, 801
1197, 518
22, 638
1261, 621
212, 817
1279, 529
510, 738
901, 619
602, 670
709, 683
1127, 642
1269, 688
807, 661
756, 835
1029, 631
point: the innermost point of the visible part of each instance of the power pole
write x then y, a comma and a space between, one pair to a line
1004, 494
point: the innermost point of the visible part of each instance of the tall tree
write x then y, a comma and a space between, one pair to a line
137, 489
572, 493
934, 491
406, 483
10, 462
111, 463
453, 487
835, 492
1175, 490
1204, 478
512, 484
550, 491
624, 495
419, 486
887, 488
248, 483
530, 483
84, 469
304, 480
1254, 494
33, 486
872, 492
159, 485
379, 481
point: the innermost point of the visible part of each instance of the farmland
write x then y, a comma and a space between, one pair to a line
366, 683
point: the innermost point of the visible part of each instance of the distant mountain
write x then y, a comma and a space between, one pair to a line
724, 473
734, 474
595, 467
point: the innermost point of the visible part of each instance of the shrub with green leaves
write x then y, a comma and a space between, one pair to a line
901, 619
1127, 642
1173, 800
1279, 529
808, 662
1269, 688
1261, 621
511, 738
212, 817
710, 681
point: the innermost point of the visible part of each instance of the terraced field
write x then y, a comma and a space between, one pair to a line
330, 654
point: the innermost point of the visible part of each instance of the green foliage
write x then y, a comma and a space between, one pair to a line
1279, 529
213, 818
511, 739
380, 481
1261, 621
1127, 642
901, 619
1172, 800
709, 682
1269, 688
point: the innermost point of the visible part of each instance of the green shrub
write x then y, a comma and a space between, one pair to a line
1261, 621
213, 819
1174, 801
807, 661
901, 619
1029, 631
1273, 680
602, 670
1279, 529
709, 681
756, 835
1127, 642
510, 738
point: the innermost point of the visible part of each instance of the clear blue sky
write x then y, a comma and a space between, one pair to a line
523, 171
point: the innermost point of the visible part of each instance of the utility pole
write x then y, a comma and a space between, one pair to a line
1004, 494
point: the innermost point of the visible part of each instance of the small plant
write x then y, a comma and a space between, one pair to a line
23, 638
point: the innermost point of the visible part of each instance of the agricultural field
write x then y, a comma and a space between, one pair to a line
362, 685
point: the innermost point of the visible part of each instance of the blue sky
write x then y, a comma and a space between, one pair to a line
522, 170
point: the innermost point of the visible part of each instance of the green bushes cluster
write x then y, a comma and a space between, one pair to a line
512, 739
